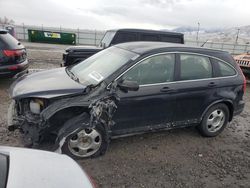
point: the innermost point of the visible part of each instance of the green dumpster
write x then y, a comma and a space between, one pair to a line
51, 37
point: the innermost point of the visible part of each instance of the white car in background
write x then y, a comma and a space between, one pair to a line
28, 168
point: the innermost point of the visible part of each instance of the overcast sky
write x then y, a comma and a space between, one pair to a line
107, 14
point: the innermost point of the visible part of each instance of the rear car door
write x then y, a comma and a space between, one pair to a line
195, 88
150, 107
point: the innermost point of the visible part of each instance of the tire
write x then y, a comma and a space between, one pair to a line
214, 120
92, 141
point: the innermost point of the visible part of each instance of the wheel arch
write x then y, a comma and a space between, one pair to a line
228, 103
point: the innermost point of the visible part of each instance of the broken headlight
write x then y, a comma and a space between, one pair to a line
36, 106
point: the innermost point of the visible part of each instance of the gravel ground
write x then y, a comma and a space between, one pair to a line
177, 158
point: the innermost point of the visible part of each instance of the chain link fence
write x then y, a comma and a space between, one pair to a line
233, 48
83, 36
93, 37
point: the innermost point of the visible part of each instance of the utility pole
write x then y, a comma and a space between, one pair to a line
237, 36
197, 36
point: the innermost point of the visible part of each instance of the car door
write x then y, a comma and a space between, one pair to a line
195, 87
150, 107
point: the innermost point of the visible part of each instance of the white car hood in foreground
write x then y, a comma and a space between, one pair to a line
30, 168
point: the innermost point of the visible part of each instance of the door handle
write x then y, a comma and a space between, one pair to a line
167, 90
212, 84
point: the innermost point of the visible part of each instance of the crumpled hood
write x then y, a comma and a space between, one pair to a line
45, 84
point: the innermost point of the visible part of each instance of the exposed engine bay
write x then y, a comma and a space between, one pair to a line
40, 119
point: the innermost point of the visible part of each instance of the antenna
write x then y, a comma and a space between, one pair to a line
197, 36
237, 36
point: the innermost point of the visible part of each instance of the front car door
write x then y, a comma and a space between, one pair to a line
150, 107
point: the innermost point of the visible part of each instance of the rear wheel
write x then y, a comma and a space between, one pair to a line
214, 121
86, 143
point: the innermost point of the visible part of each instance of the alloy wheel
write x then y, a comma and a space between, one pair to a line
85, 143
215, 120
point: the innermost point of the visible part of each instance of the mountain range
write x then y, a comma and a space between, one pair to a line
217, 34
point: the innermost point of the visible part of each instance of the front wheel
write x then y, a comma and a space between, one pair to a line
86, 143
214, 120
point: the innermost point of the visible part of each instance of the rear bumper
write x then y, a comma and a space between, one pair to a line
11, 70
239, 108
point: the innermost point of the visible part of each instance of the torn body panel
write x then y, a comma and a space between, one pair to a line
92, 109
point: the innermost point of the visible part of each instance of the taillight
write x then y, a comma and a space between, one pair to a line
244, 80
13, 53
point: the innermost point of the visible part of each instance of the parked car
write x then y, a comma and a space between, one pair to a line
13, 58
35, 168
126, 89
76, 54
244, 61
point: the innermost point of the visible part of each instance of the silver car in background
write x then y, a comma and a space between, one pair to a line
28, 168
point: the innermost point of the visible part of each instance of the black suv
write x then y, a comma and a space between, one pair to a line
77, 54
13, 58
151, 86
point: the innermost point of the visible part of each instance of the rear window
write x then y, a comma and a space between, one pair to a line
224, 69
8, 42
3, 170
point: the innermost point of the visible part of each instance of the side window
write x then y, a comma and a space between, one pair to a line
157, 69
147, 37
224, 69
195, 67
165, 38
125, 37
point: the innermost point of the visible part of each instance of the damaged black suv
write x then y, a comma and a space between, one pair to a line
127, 89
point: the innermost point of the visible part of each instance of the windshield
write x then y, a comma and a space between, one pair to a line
101, 65
106, 40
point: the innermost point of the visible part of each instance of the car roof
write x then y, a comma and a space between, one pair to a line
149, 31
143, 48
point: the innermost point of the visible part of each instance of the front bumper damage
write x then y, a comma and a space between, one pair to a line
30, 125
35, 128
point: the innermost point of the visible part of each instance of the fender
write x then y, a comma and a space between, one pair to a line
217, 102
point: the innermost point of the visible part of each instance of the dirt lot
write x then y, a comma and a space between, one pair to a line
178, 158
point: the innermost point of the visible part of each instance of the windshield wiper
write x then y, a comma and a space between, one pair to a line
72, 75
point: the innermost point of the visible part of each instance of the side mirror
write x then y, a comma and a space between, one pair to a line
127, 85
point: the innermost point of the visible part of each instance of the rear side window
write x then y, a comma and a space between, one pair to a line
125, 37
154, 70
224, 69
8, 42
147, 37
195, 67
165, 38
